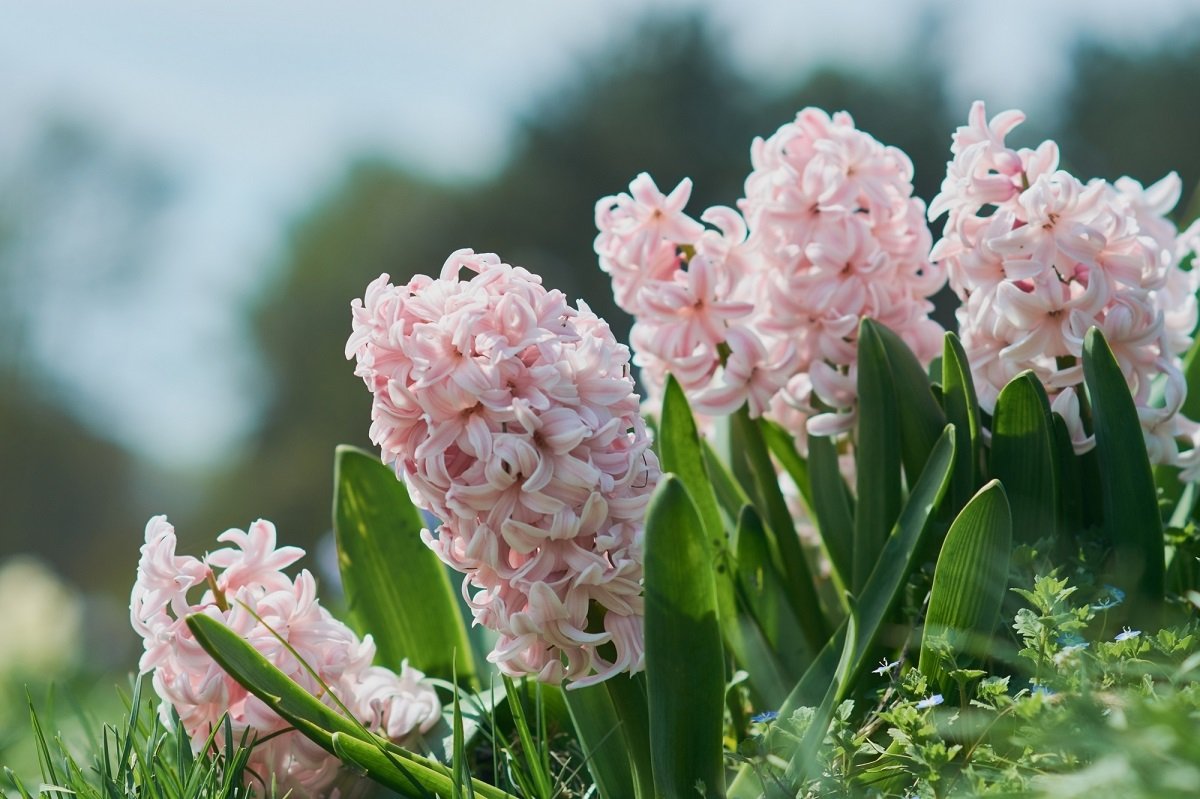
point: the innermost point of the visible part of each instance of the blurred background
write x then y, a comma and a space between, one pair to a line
190, 199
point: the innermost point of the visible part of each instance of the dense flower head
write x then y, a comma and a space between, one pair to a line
512, 417
1038, 257
763, 307
244, 587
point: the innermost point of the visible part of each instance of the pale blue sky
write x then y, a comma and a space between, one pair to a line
257, 104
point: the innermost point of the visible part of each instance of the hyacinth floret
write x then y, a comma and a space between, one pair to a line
512, 418
763, 306
1038, 257
244, 587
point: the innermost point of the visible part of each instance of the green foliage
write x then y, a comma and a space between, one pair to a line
1023, 457
970, 581
411, 611
1130, 500
140, 758
685, 665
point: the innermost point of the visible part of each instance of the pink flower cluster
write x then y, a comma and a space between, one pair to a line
1039, 257
512, 417
238, 582
763, 307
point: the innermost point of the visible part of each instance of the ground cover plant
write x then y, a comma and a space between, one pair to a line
835, 550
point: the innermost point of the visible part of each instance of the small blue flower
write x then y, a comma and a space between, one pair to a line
1041, 690
1072, 641
1111, 597
930, 701
1126, 634
765, 717
885, 667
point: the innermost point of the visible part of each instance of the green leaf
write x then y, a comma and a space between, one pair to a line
803, 763
783, 446
760, 586
884, 585
1023, 444
962, 410
921, 417
832, 506
685, 664
600, 736
1131, 514
396, 587
315, 720
730, 493
403, 775
877, 444
681, 454
1070, 482
970, 580
754, 461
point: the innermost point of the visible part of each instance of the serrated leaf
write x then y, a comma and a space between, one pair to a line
1131, 514
396, 588
685, 664
970, 580
1022, 457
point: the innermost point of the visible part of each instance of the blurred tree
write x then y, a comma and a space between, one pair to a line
1134, 111
78, 217
666, 101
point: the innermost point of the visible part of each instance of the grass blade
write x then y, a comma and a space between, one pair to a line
599, 730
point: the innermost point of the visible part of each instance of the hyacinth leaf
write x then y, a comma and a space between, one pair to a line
921, 417
804, 763
600, 735
884, 585
314, 719
396, 588
783, 446
761, 589
763, 484
1130, 503
629, 699
1023, 448
832, 506
1070, 482
877, 442
685, 662
681, 454
730, 494
962, 410
1191, 373
970, 580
